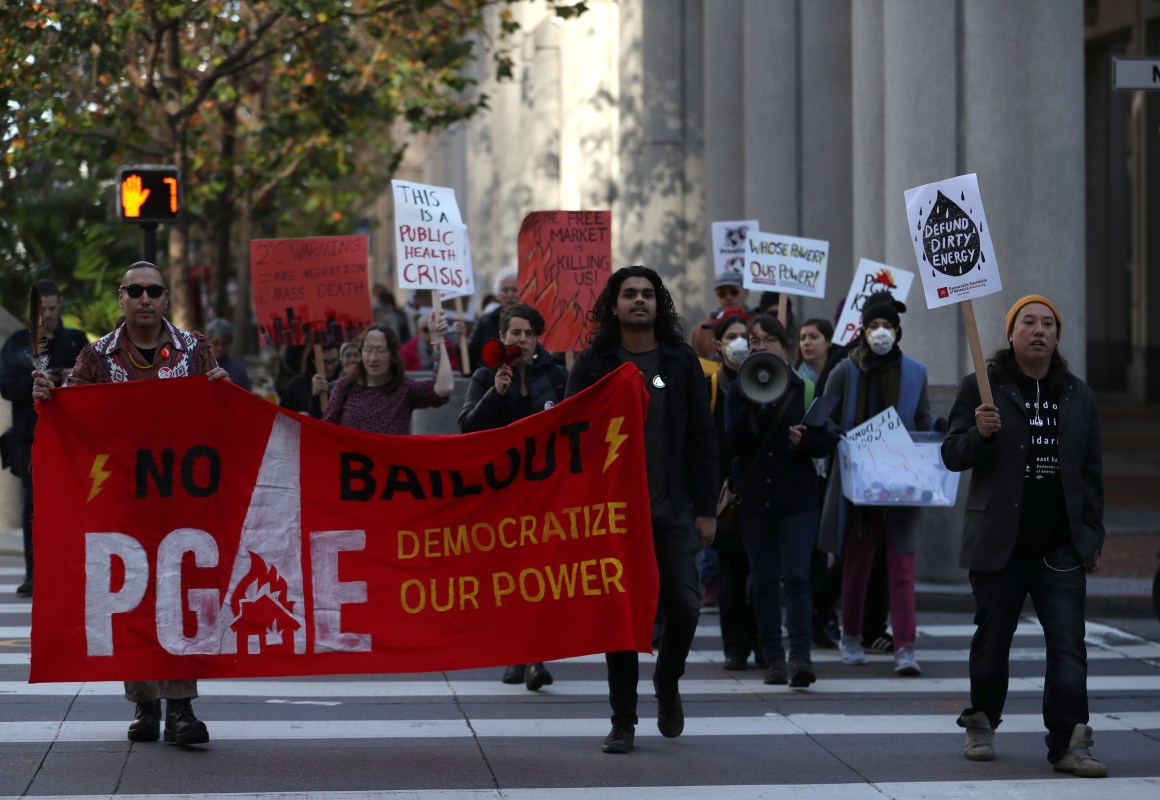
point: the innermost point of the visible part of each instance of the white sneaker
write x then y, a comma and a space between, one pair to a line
851, 649
904, 663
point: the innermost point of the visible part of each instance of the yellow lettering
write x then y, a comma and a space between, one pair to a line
431, 542
422, 601
468, 596
615, 520
504, 525
552, 528
524, 585
457, 545
509, 586
564, 579
588, 577
475, 536
435, 595
597, 529
587, 521
572, 512
408, 538
527, 529
613, 566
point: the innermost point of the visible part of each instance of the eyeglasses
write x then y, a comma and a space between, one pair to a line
135, 290
767, 341
728, 291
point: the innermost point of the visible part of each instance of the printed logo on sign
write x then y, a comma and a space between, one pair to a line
943, 293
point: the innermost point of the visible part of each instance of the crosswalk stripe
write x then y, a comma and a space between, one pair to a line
1145, 788
452, 687
768, 725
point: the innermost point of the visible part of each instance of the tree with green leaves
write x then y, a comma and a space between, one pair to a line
283, 116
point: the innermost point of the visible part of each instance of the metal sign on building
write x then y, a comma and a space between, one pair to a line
1131, 74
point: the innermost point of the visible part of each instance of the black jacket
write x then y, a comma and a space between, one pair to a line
995, 497
16, 373
485, 408
691, 455
784, 480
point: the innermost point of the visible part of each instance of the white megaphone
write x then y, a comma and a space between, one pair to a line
763, 378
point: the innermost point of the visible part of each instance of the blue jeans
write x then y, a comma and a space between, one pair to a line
676, 543
779, 550
1057, 584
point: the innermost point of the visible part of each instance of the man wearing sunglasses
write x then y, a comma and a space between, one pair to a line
147, 346
731, 299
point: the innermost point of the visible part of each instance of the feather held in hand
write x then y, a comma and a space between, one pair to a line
37, 336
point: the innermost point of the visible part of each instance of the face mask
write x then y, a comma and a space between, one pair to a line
881, 340
736, 351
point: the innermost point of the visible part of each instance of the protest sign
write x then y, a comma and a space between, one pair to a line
430, 239
869, 277
956, 260
251, 541
729, 245
883, 427
952, 242
565, 258
785, 264
311, 290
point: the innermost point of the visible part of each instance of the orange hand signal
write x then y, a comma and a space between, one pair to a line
133, 196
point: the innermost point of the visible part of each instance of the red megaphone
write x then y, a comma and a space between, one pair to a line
496, 353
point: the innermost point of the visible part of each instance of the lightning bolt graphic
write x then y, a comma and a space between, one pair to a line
615, 439
99, 474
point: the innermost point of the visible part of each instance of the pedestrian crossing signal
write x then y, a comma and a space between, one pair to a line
149, 193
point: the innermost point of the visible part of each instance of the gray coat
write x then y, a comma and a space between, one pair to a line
905, 523
996, 492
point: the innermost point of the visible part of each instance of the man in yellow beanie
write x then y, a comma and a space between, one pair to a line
1034, 526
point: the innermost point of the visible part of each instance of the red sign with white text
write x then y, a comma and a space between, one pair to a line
243, 540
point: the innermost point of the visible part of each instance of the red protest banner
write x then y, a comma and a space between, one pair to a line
248, 541
565, 258
311, 290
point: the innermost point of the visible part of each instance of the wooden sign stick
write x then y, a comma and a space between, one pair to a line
976, 352
320, 368
783, 309
464, 358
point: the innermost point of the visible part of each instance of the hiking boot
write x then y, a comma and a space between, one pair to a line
670, 712
883, 643
801, 673
619, 740
514, 674
146, 724
980, 740
775, 674
181, 726
1078, 759
537, 675
851, 649
904, 662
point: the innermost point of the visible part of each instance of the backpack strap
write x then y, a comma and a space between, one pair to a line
809, 395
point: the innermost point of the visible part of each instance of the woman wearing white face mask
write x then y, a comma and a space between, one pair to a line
875, 377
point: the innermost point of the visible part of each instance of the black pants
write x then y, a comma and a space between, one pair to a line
676, 544
21, 460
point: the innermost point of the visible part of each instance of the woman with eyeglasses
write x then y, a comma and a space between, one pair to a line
376, 396
780, 492
497, 396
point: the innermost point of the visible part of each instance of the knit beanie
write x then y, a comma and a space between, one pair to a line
1027, 300
881, 305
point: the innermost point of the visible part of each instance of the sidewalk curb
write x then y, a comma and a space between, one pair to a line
1106, 597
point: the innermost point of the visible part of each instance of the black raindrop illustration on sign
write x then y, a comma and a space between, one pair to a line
950, 239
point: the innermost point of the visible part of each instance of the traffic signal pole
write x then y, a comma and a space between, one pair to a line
149, 243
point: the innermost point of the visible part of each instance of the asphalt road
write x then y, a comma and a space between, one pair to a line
859, 732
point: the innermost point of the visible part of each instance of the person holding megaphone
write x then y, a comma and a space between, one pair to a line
765, 411
519, 378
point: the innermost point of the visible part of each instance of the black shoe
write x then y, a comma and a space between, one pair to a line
735, 662
670, 712
820, 634
883, 643
181, 726
146, 724
25, 589
619, 740
758, 657
801, 673
514, 674
536, 675
775, 674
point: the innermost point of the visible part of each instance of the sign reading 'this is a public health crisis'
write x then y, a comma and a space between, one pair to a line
952, 241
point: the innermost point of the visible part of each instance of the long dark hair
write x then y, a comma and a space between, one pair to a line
825, 328
357, 373
1004, 367
605, 333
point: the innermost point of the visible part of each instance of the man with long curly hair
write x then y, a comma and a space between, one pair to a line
634, 320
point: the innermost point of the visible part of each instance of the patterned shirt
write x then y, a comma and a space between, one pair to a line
113, 358
370, 409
